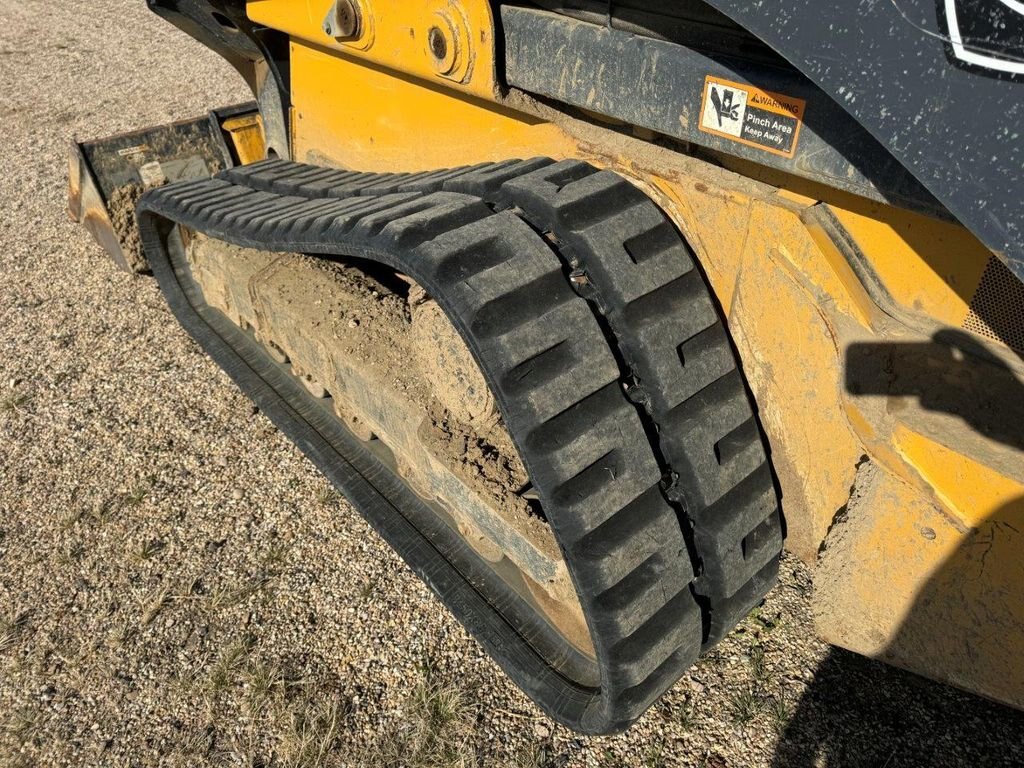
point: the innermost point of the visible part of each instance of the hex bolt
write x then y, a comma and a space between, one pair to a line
343, 20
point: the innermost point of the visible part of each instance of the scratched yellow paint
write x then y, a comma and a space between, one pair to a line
905, 582
928, 267
970, 490
788, 348
362, 118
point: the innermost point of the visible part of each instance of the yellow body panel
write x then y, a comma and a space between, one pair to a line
903, 582
378, 138
921, 565
973, 492
928, 267
776, 320
396, 35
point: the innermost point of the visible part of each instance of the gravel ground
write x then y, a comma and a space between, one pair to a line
179, 587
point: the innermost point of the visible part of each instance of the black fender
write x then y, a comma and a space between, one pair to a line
939, 83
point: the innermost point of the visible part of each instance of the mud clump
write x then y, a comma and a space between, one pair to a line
443, 357
374, 327
489, 464
356, 316
486, 461
121, 209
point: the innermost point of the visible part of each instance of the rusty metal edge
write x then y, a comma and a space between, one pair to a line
87, 206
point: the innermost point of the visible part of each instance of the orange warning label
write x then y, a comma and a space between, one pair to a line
743, 113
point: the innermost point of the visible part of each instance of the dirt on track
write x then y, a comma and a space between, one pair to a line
336, 315
179, 587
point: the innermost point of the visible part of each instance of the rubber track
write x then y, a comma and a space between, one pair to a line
558, 387
641, 275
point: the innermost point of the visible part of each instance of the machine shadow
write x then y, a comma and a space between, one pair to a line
860, 712
953, 374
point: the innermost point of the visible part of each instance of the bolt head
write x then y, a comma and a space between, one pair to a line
342, 20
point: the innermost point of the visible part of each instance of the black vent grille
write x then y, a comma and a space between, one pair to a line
997, 309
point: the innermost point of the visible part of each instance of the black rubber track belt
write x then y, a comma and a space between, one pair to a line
631, 263
558, 386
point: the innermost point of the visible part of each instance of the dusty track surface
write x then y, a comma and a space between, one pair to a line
179, 587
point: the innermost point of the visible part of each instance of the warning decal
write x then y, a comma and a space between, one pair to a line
743, 113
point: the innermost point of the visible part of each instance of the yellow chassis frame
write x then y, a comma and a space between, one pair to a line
912, 518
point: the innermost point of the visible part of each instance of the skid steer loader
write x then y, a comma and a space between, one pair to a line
589, 305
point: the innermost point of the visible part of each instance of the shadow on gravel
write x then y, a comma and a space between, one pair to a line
859, 713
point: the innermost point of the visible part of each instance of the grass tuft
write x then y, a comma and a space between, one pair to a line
103, 511
686, 715
135, 496
326, 496
223, 597
681, 712
655, 756
15, 402
24, 723
367, 590
313, 733
760, 621
779, 711
150, 549
154, 603
11, 630
277, 557
435, 731
532, 755
744, 706
758, 667
262, 682
123, 633
225, 671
